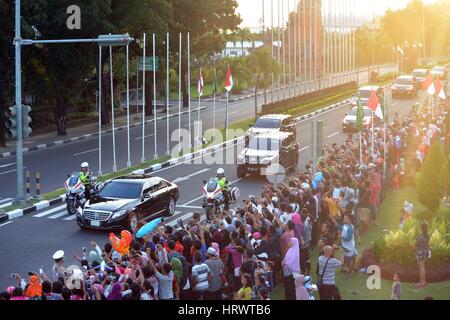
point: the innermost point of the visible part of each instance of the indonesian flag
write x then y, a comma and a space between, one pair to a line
428, 81
431, 89
440, 89
200, 84
229, 80
374, 105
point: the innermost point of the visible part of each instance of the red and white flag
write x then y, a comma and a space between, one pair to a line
440, 89
229, 80
200, 84
431, 89
374, 105
428, 81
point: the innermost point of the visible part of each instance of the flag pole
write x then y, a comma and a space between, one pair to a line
128, 107
100, 79
289, 48
167, 94
155, 156
284, 50
226, 113
198, 111
214, 97
189, 88
373, 135
295, 47
179, 92
143, 100
278, 53
112, 110
271, 47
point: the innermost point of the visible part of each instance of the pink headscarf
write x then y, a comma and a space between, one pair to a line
301, 293
216, 247
292, 259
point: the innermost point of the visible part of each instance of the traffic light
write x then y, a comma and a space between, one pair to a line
26, 121
12, 123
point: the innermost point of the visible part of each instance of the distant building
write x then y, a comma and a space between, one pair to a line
238, 49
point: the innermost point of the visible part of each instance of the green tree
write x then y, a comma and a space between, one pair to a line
206, 21
262, 62
430, 186
244, 34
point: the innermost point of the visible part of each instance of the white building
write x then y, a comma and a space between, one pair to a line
239, 49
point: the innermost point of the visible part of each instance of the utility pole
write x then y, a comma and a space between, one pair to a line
20, 198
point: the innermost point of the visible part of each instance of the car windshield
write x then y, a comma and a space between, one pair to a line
121, 190
265, 144
268, 123
367, 112
420, 73
404, 81
73, 179
364, 94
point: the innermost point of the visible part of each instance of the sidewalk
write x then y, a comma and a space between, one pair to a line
50, 139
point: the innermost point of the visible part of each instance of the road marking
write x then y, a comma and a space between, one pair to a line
7, 165
183, 218
190, 207
303, 149
147, 136
1, 225
70, 218
46, 213
332, 135
234, 112
10, 171
84, 152
59, 215
190, 176
2, 201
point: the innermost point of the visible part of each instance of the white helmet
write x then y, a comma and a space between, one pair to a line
220, 171
85, 165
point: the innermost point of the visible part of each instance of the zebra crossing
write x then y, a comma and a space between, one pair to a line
60, 213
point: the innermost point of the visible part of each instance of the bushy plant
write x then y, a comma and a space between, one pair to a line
429, 184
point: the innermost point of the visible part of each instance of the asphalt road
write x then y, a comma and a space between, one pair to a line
54, 164
27, 243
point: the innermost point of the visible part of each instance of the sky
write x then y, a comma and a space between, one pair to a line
251, 10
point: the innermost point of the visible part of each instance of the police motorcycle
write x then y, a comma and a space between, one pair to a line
75, 192
213, 199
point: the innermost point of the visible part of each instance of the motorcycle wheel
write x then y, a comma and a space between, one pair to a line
209, 213
71, 209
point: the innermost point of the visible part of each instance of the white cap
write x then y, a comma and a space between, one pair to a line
305, 186
85, 165
58, 255
220, 171
274, 199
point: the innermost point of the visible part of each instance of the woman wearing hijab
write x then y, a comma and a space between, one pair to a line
116, 293
301, 293
291, 266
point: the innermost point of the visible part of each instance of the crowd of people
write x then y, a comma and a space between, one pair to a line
246, 252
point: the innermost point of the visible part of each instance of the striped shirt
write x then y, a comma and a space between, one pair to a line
330, 272
200, 274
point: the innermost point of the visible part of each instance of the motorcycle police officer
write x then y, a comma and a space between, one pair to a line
85, 177
223, 184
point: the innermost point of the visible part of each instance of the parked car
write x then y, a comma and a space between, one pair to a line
421, 75
349, 122
123, 202
268, 149
405, 86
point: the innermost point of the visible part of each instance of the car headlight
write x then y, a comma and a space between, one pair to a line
119, 214
80, 210
266, 161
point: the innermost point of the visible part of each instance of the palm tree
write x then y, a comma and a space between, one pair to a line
263, 63
244, 34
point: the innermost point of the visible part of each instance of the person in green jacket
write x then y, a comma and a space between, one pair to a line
223, 184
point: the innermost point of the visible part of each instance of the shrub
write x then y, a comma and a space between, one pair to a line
429, 184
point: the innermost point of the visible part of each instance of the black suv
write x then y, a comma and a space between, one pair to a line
123, 202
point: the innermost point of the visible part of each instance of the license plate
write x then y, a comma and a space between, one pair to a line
95, 223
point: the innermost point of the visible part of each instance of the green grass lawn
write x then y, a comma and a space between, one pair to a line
355, 288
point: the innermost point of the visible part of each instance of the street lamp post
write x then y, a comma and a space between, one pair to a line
103, 40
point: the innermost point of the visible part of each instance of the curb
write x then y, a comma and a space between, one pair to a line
80, 138
169, 163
